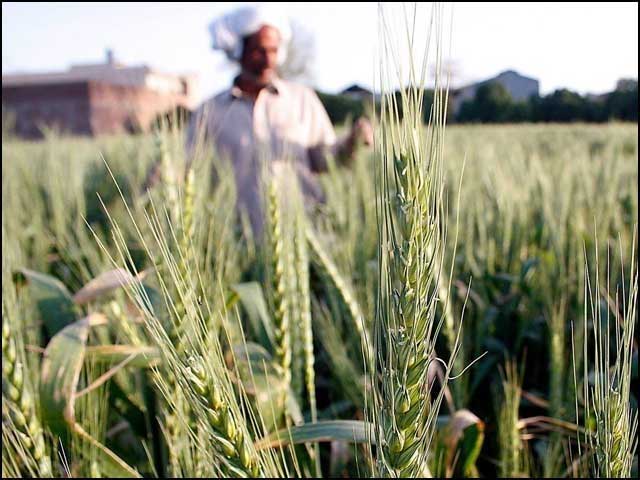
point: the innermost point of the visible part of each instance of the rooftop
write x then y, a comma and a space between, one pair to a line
111, 71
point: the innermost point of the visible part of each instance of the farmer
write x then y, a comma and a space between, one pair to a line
262, 117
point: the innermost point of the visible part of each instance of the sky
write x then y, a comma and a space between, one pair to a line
586, 47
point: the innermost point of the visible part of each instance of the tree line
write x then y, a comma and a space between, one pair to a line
493, 103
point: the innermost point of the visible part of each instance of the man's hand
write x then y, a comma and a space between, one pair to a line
362, 130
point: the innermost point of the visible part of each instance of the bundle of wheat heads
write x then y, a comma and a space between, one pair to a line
410, 217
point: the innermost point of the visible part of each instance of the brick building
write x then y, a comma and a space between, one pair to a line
105, 98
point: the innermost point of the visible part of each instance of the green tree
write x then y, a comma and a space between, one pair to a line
341, 107
622, 104
492, 104
560, 106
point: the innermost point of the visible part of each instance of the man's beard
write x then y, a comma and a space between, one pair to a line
261, 79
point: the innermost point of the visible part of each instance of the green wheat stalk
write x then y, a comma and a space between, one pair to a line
411, 239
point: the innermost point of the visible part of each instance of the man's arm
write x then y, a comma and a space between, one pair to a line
361, 132
324, 138
195, 135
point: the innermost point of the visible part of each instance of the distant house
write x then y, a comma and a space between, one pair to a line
95, 99
356, 92
519, 86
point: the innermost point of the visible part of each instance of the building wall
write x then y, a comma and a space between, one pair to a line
86, 108
64, 106
519, 87
119, 109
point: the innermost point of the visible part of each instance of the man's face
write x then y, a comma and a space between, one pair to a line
260, 54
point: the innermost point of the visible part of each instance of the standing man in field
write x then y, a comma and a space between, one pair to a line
264, 118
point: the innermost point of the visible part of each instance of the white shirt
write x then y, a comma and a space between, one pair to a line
285, 122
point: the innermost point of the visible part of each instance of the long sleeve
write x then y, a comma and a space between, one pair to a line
322, 136
196, 135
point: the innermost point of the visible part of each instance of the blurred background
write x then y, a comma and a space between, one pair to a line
506, 62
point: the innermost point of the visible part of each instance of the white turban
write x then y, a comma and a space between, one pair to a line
228, 31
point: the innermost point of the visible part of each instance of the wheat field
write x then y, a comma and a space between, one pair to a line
218, 342
462, 303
